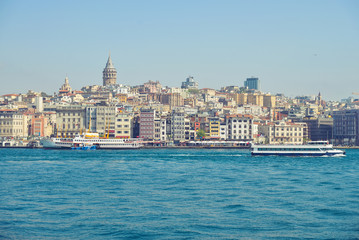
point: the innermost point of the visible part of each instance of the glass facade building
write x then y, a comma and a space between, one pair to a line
252, 83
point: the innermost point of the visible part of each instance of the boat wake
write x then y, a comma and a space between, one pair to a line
335, 155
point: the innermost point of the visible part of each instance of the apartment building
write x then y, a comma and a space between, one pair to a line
346, 127
106, 120
283, 132
70, 120
147, 124
214, 127
13, 123
124, 125
178, 126
240, 127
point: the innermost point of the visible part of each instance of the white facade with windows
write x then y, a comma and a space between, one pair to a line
70, 120
13, 124
240, 127
283, 132
178, 126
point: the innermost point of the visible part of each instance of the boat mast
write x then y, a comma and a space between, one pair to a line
89, 122
108, 129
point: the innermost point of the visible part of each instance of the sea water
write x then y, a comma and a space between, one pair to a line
176, 194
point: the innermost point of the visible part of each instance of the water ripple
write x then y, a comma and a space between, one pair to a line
176, 194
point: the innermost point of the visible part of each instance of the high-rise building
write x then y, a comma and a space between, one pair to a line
109, 73
252, 83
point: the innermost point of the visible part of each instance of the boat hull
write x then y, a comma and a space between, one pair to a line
56, 143
297, 154
296, 150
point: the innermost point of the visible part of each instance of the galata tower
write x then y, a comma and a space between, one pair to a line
109, 73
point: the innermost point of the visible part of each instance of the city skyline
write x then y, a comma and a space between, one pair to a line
294, 49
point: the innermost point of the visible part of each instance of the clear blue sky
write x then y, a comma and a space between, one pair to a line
294, 47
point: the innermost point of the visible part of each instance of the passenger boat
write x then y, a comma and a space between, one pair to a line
312, 148
92, 139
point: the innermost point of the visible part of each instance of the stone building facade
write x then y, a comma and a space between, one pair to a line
13, 123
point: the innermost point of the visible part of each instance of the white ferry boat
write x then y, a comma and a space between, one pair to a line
92, 139
313, 148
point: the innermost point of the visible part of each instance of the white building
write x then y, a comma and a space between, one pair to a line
13, 124
240, 127
283, 132
178, 126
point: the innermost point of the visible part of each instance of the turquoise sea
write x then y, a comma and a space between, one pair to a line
176, 194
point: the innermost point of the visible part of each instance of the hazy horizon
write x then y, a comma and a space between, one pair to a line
294, 48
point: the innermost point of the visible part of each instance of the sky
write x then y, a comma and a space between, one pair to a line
294, 47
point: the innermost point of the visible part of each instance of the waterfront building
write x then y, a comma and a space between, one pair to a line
214, 127
51, 122
91, 119
109, 73
147, 124
252, 83
190, 83
346, 127
239, 127
223, 131
160, 129
190, 133
200, 121
282, 132
124, 125
106, 120
70, 120
319, 128
38, 126
13, 123
178, 125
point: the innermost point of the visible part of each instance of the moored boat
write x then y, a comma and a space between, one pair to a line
91, 140
313, 148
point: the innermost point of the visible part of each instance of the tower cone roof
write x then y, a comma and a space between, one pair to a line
109, 62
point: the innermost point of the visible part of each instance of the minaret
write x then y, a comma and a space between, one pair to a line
319, 99
109, 73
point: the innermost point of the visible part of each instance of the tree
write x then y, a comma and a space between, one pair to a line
201, 133
193, 91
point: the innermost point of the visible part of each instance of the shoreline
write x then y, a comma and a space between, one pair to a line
179, 147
